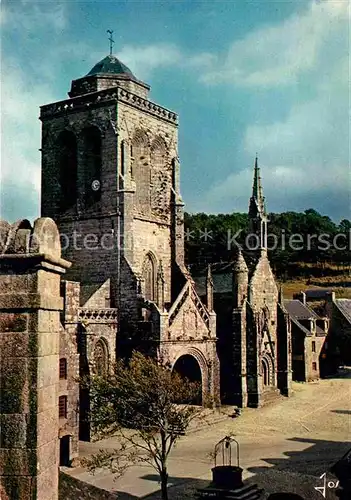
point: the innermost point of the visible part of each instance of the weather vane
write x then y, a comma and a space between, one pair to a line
110, 32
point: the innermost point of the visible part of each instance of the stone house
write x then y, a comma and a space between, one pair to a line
308, 332
338, 311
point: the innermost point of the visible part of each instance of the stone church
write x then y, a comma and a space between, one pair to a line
110, 181
254, 342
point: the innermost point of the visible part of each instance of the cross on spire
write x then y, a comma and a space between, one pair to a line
110, 38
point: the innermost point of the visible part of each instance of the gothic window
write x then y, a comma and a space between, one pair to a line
100, 358
141, 172
92, 164
149, 278
161, 178
66, 157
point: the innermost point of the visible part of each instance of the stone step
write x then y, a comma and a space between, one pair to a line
209, 417
271, 396
246, 492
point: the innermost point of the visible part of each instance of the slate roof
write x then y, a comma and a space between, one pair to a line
344, 306
302, 328
222, 273
110, 65
298, 310
317, 293
222, 283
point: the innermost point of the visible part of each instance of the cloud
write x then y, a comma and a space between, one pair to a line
27, 14
20, 102
305, 154
277, 55
20, 143
144, 60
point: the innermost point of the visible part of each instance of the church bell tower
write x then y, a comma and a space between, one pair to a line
110, 180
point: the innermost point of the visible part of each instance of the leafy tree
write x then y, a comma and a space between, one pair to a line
139, 403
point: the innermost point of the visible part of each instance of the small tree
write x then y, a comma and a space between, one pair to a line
139, 402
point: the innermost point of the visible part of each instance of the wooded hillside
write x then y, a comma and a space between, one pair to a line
300, 244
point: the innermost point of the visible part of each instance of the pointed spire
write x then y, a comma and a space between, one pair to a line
209, 289
209, 278
256, 180
240, 265
257, 189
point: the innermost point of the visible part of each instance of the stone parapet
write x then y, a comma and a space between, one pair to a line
103, 97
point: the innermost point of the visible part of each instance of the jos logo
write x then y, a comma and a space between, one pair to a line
323, 489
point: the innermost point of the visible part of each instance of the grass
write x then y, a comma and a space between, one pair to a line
341, 285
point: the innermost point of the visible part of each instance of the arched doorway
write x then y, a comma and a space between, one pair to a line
188, 367
65, 451
265, 373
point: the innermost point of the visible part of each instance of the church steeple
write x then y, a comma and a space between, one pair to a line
257, 210
257, 190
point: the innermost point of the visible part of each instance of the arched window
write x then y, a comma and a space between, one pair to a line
141, 172
66, 157
149, 277
100, 358
92, 164
161, 178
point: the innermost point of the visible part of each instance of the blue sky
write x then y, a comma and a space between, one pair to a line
245, 76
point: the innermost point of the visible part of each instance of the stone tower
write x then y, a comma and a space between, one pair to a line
110, 178
257, 212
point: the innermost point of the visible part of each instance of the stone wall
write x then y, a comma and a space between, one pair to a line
30, 305
312, 356
284, 351
339, 335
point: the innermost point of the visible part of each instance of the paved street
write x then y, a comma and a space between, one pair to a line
286, 445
